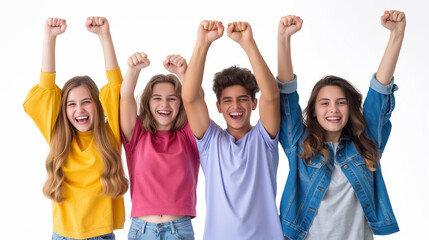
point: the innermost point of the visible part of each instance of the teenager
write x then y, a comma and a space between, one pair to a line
85, 181
162, 156
335, 189
240, 162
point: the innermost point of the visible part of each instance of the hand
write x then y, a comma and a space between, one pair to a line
138, 61
240, 32
97, 25
394, 21
289, 25
175, 64
55, 26
209, 31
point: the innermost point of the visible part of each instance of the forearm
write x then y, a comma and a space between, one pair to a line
284, 61
129, 84
263, 75
194, 74
390, 58
269, 101
48, 55
110, 60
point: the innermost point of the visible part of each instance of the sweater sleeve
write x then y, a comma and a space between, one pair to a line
43, 104
109, 98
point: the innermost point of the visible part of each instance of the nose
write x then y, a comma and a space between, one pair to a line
334, 108
234, 104
164, 103
80, 108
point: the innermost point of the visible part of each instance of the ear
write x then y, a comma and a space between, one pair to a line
254, 104
218, 107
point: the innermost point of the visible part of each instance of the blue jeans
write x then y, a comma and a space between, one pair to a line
109, 236
179, 229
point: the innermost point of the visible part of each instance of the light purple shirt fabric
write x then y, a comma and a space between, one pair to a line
240, 184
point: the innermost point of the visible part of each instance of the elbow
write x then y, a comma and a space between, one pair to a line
187, 100
273, 97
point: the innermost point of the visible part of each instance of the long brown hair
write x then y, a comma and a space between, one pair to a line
354, 129
148, 121
113, 180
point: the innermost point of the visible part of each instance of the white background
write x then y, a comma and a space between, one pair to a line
343, 38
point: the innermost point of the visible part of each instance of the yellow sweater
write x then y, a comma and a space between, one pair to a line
83, 213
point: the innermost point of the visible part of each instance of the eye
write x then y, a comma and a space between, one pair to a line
324, 103
87, 102
71, 104
342, 103
243, 99
156, 99
172, 99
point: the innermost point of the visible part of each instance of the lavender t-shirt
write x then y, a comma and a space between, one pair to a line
240, 184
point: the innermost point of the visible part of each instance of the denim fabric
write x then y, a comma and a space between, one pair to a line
307, 182
109, 236
180, 229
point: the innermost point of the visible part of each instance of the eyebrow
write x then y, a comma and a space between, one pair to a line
81, 100
327, 99
241, 96
159, 95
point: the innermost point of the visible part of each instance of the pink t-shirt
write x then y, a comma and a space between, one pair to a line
163, 169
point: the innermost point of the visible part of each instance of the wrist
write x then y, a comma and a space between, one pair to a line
397, 34
203, 45
283, 38
104, 36
247, 45
180, 76
49, 37
133, 70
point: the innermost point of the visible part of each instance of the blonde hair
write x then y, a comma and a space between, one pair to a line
113, 180
148, 121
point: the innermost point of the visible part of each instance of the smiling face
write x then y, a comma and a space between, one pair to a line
164, 105
80, 109
236, 106
332, 111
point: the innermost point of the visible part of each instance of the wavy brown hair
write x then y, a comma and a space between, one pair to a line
113, 179
145, 115
354, 129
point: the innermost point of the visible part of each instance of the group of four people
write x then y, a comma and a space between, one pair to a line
334, 189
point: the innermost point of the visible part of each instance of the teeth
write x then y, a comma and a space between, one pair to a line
81, 118
333, 118
164, 112
236, 114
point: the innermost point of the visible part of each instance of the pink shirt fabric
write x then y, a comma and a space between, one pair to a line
163, 169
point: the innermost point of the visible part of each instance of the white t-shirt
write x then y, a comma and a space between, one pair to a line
340, 215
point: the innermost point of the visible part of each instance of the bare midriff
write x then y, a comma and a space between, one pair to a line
160, 218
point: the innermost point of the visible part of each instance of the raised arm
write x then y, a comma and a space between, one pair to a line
128, 105
177, 64
100, 27
269, 102
53, 28
395, 22
287, 27
193, 101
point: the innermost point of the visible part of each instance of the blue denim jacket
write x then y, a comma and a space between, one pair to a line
307, 182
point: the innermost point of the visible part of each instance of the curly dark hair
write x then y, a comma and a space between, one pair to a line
235, 75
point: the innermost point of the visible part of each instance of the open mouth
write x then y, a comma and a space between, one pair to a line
333, 119
82, 120
236, 115
164, 113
